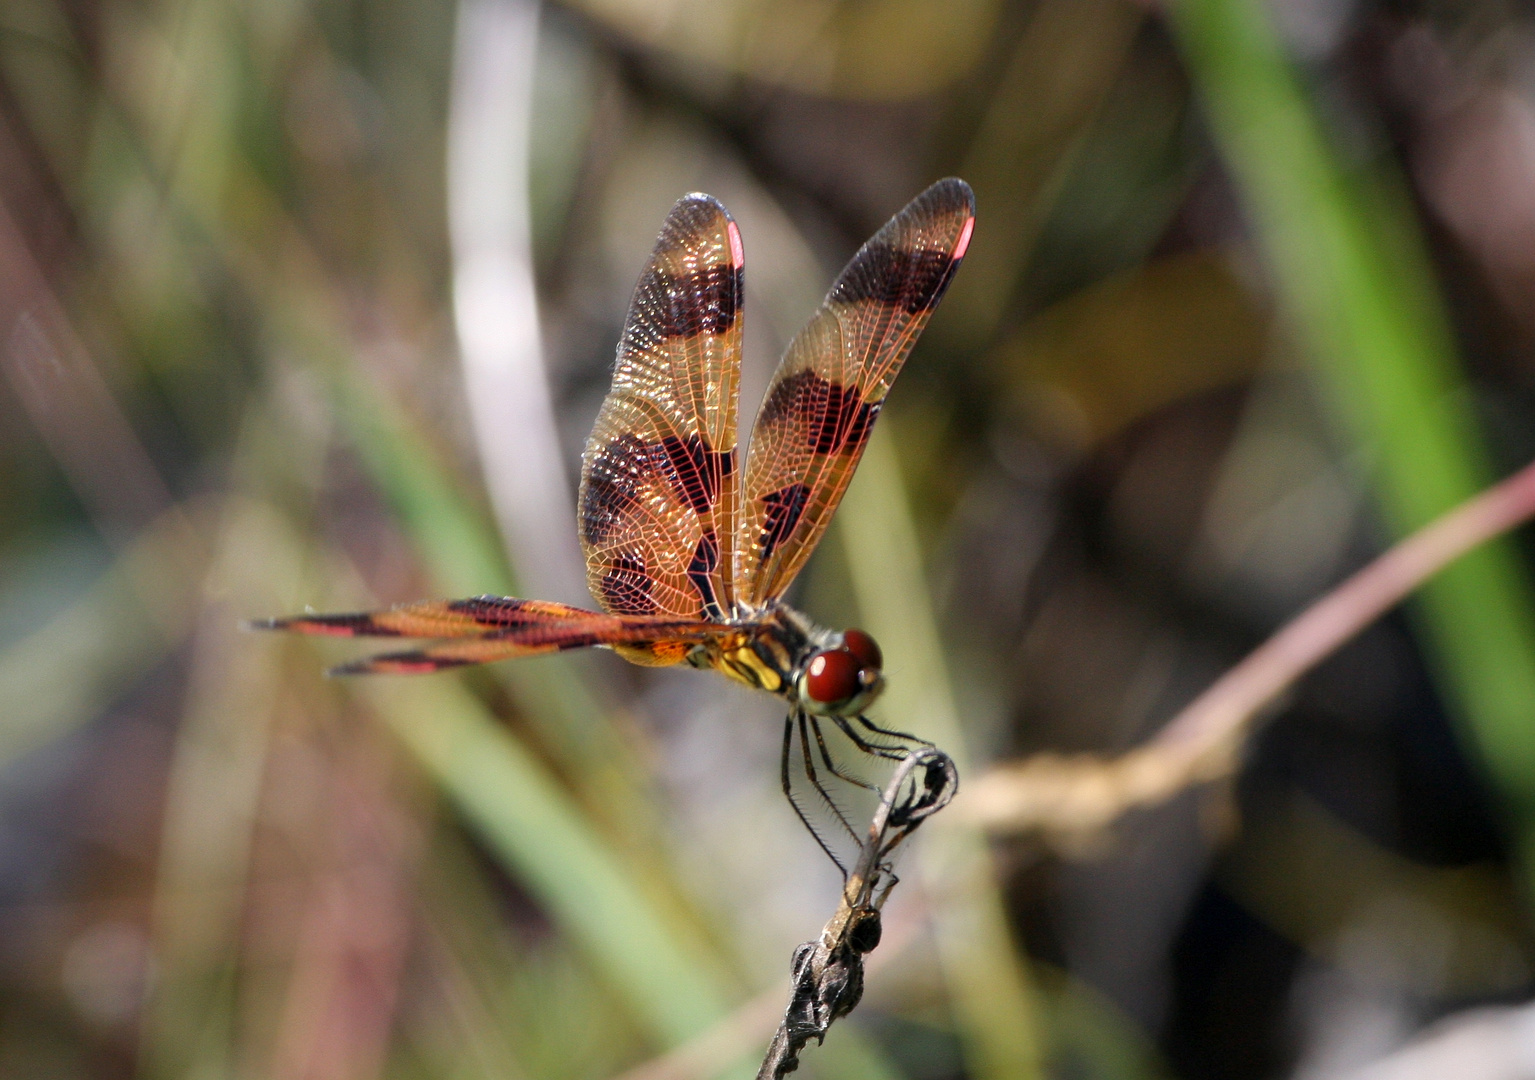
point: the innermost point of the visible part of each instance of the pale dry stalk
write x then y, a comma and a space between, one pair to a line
1074, 796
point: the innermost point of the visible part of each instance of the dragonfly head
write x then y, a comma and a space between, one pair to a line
842, 680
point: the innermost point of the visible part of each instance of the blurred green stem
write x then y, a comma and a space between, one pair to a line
212, 798
1354, 279
531, 823
994, 1002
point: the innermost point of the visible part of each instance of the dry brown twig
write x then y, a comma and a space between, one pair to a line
1075, 797
712, 1051
827, 974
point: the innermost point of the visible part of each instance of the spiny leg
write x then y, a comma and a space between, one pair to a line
788, 793
815, 781
872, 750
866, 722
831, 766
889, 753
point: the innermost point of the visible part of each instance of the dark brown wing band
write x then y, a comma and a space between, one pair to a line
832, 382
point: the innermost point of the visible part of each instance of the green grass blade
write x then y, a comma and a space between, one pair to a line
993, 1000
532, 823
1354, 280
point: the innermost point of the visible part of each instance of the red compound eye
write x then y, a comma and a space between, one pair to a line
832, 676
863, 647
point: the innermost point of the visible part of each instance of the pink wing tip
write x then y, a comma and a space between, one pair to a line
737, 257
964, 239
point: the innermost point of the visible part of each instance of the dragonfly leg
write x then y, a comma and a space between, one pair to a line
831, 766
815, 780
889, 753
788, 792
872, 726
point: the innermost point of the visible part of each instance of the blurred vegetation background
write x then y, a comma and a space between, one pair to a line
312, 302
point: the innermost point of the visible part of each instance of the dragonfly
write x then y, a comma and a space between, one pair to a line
688, 553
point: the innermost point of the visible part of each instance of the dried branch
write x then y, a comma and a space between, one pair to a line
1074, 796
827, 974
712, 1051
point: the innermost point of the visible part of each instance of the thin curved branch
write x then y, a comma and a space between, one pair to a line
827, 974
1071, 795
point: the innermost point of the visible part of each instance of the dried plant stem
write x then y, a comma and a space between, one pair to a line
1076, 795
827, 974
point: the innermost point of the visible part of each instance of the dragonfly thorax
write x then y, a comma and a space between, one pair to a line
781, 651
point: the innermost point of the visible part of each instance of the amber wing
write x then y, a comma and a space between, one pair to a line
485, 628
816, 417
658, 480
